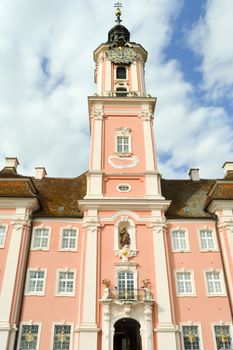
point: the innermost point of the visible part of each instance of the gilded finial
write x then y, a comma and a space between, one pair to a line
118, 6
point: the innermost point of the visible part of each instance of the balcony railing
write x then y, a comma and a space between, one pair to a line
128, 295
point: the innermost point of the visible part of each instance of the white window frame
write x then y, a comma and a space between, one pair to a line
62, 323
5, 234
221, 324
126, 268
33, 237
29, 323
123, 132
190, 324
180, 250
223, 293
61, 239
214, 249
193, 293
36, 269
65, 294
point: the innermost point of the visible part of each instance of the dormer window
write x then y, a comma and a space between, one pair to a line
121, 72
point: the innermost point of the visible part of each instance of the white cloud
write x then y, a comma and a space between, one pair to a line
211, 39
45, 123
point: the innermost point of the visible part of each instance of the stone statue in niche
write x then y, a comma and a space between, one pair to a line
124, 237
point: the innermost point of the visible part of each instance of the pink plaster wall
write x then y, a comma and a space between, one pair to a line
51, 308
137, 185
200, 308
111, 123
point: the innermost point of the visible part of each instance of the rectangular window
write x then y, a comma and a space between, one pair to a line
36, 282
69, 239
61, 338
184, 283
40, 239
29, 337
123, 144
191, 338
179, 240
214, 283
2, 235
66, 283
207, 240
223, 337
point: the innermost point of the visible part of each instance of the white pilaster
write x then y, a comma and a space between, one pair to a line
108, 76
88, 328
94, 188
146, 116
8, 284
134, 77
165, 328
97, 136
99, 77
142, 78
106, 327
148, 327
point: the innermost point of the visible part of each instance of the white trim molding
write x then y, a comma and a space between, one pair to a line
40, 227
68, 249
186, 239
191, 324
62, 323
65, 294
221, 280
29, 323
192, 281
207, 229
37, 293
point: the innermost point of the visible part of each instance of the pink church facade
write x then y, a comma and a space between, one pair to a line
117, 258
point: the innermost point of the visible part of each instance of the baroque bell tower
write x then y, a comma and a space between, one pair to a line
124, 210
122, 155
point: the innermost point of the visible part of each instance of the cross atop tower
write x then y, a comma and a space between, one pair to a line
118, 7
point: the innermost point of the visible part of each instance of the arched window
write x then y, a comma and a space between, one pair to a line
121, 72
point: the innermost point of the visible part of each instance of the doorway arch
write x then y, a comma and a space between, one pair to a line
127, 335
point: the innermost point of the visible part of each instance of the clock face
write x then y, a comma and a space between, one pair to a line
120, 54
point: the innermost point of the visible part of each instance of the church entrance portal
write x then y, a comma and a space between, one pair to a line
127, 335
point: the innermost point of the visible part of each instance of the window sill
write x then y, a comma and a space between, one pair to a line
68, 250
40, 249
34, 294
209, 251
65, 295
181, 251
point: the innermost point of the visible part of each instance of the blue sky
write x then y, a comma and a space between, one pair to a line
46, 69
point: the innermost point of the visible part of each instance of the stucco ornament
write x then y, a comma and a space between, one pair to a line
125, 253
29, 337
121, 162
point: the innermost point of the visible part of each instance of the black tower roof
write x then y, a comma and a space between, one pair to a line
118, 34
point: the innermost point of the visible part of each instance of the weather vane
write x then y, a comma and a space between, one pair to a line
118, 6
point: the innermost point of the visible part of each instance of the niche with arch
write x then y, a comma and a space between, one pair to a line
125, 234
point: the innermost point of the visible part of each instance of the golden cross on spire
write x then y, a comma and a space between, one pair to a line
118, 6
